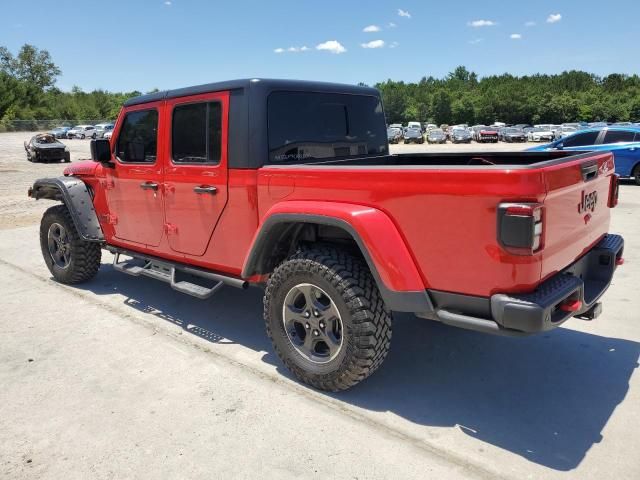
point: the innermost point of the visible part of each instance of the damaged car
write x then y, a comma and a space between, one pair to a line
46, 148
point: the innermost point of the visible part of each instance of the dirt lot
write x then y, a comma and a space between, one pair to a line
124, 378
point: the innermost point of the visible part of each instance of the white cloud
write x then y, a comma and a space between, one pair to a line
530, 24
168, 3
554, 17
476, 41
371, 28
392, 25
394, 45
332, 46
481, 23
403, 13
373, 44
292, 49
515, 36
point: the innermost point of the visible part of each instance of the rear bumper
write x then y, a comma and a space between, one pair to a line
584, 281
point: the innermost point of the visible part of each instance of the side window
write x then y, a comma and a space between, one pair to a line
137, 141
196, 133
581, 139
618, 136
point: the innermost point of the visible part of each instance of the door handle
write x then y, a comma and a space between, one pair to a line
205, 189
149, 186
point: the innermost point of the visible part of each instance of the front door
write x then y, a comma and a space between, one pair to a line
195, 172
134, 185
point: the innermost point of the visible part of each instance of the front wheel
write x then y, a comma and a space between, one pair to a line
70, 259
326, 318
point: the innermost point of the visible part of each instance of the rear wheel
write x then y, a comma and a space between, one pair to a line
326, 319
70, 259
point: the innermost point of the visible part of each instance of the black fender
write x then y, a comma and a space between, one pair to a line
73, 192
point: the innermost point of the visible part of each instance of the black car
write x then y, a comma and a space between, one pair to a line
414, 135
460, 135
512, 135
45, 148
394, 134
436, 136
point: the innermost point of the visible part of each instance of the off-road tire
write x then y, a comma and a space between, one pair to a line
365, 319
84, 256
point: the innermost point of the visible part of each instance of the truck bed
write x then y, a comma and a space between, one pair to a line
445, 206
465, 159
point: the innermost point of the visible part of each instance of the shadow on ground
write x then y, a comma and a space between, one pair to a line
546, 398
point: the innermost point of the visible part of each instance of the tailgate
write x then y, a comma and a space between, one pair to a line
576, 208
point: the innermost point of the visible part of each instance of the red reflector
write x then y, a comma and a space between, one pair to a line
571, 305
620, 261
520, 210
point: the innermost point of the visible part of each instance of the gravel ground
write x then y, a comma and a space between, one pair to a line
124, 378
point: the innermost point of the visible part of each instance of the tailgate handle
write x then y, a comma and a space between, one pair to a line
589, 172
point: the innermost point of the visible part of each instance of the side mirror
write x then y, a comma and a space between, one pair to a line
101, 150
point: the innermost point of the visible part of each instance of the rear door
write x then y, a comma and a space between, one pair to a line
133, 186
576, 212
195, 170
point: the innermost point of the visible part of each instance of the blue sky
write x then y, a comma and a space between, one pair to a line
142, 44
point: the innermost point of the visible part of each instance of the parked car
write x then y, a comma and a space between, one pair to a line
417, 125
44, 147
513, 135
540, 134
107, 135
487, 135
101, 129
413, 134
393, 135
565, 132
436, 135
460, 135
60, 132
82, 131
623, 142
317, 217
476, 131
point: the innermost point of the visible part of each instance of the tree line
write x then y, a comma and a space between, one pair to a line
462, 97
28, 94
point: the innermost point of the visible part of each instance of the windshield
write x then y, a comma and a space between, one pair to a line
437, 132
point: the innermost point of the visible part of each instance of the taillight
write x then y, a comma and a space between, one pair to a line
614, 190
521, 227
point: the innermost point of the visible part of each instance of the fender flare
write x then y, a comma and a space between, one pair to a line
73, 192
382, 246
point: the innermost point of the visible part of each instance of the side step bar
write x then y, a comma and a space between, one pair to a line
165, 271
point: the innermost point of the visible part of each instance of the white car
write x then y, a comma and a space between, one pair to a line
565, 132
82, 131
107, 135
417, 125
541, 134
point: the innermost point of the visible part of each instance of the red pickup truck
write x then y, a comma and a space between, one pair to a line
290, 185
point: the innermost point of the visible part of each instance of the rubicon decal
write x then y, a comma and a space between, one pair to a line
588, 202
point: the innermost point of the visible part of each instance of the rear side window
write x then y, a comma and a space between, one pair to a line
581, 139
137, 141
196, 135
618, 136
307, 126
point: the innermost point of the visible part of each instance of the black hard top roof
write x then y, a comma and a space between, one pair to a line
266, 85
